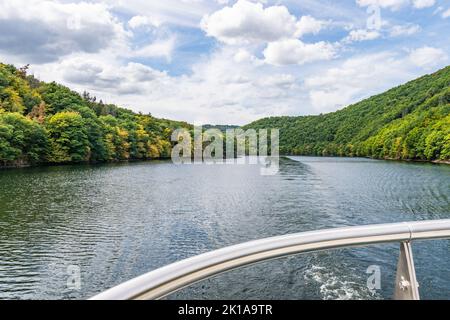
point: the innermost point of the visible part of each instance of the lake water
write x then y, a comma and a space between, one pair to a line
115, 222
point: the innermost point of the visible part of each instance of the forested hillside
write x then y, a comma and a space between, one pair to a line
411, 122
48, 123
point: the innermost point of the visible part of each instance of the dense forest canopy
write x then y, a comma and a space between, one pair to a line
49, 123
409, 122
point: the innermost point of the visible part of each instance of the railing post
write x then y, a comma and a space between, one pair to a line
406, 286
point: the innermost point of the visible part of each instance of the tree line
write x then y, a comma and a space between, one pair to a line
409, 122
49, 123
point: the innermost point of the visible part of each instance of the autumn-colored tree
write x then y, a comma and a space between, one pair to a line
68, 138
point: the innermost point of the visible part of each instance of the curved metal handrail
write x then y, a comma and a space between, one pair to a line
169, 279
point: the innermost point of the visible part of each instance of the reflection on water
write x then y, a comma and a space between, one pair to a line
119, 221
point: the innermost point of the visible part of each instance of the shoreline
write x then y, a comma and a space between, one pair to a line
445, 162
441, 162
48, 165
23, 166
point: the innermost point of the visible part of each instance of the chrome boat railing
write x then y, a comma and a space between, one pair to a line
169, 279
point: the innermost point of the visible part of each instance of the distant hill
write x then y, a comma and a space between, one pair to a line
409, 122
221, 127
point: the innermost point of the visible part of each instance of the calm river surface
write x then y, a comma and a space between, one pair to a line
118, 221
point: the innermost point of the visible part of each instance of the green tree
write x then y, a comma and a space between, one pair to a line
59, 98
68, 137
21, 140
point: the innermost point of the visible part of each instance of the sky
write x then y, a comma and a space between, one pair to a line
225, 61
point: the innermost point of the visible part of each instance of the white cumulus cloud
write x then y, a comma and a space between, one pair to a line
354, 79
43, 31
428, 57
294, 51
163, 48
309, 25
250, 22
144, 21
